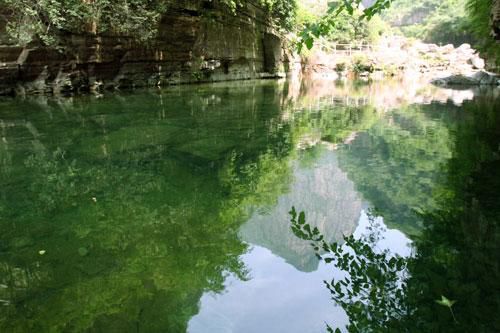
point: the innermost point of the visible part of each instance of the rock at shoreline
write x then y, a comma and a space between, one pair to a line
473, 78
394, 56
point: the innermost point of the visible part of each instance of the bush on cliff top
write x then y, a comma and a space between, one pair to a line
44, 21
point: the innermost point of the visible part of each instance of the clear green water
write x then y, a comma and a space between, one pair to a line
167, 211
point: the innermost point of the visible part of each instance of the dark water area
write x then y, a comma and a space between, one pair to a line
168, 210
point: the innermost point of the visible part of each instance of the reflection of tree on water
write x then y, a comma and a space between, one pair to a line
457, 252
372, 284
173, 176
398, 163
323, 190
125, 218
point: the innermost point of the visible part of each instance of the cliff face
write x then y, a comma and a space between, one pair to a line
495, 19
198, 41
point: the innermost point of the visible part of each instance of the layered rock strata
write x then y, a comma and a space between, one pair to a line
198, 41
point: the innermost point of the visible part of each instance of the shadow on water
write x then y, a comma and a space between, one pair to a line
451, 281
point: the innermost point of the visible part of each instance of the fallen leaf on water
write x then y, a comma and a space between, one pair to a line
445, 302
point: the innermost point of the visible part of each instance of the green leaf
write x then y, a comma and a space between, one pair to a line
309, 43
445, 302
302, 218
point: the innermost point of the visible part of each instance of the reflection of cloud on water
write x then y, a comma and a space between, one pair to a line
327, 196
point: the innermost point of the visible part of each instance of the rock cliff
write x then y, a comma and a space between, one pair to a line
198, 41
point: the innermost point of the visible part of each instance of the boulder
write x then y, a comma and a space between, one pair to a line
464, 47
432, 48
469, 79
421, 47
487, 78
464, 53
477, 62
447, 48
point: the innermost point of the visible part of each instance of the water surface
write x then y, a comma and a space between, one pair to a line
167, 210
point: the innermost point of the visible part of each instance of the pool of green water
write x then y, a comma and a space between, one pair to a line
168, 210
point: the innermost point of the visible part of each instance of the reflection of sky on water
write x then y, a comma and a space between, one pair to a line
392, 239
278, 297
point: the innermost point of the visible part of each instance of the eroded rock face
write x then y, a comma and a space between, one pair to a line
495, 19
195, 43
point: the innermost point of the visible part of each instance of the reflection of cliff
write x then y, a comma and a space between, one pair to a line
325, 194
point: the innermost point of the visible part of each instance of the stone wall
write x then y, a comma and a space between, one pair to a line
198, 41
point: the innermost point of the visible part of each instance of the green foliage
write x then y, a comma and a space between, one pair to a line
344, 21
305, 16
433, 21
449, 21
479, 12
361, 63
373, 285
445, 302
456, 254
282, 12
347, 28
341, 67
46, 20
